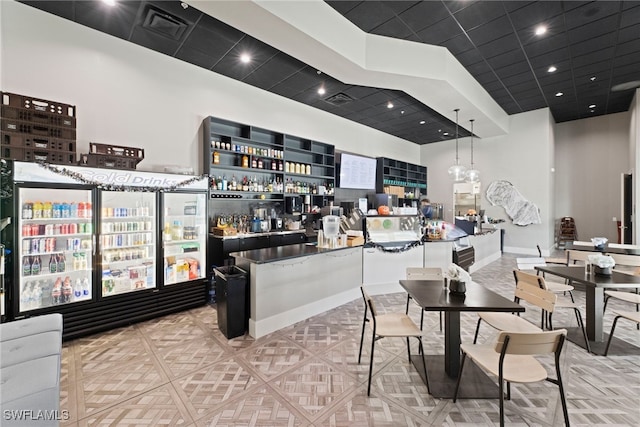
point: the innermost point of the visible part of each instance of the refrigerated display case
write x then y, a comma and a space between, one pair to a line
55, 245
127, 242
184, 237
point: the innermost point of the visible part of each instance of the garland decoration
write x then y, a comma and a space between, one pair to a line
395, 250
61, 170
6, 183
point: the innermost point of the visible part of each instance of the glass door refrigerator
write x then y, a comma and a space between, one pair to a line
184, 237
127, 256
55, 244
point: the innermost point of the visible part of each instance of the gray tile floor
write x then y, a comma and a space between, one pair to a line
180, 370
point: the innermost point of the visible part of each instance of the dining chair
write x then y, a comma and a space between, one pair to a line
428, 273
575, 256
559, 304
529, 292
552, 260
633, 316
389, 325
512, 360
628, 264
554, 286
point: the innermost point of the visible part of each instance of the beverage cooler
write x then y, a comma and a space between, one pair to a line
106, 247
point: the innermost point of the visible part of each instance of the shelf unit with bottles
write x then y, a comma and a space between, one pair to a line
396, 173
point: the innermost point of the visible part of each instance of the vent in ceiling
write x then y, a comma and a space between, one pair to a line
163, 23
339, 99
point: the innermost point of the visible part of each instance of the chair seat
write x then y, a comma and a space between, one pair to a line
508, 322
567, 304
396, 325
634, 316
624, 296
558, 287
517, 368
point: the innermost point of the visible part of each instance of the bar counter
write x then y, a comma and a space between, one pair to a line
289, 284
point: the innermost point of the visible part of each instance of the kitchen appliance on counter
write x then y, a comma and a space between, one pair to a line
277, 224
293, 205
382, 199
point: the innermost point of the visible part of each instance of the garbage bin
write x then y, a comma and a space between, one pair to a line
231, 294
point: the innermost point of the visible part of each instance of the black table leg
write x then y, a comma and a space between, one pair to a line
595, 305
452, 343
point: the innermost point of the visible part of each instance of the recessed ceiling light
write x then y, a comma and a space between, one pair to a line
446, 134
389, 104
321, 90
551, 69
319, 72
592, 78
109, 2
592, 106
559, 94
402, 112
245, 58
540, 30
422, 122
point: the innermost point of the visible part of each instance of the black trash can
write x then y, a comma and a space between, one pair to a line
231, 296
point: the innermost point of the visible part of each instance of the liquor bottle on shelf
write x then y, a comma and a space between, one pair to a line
61, 263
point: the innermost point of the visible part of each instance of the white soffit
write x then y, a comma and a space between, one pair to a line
314, 33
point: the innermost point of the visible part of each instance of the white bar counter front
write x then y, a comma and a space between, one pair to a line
291, 283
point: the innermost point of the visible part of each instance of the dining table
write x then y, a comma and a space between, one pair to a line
433, 295
605, 249
595, 285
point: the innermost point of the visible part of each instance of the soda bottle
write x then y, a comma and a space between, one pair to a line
56, 291
65, 210
47, 210
82, 210
73, 210
26, 267
57, 210
88, 210
27, 211
35, 266
37, 210
77, 290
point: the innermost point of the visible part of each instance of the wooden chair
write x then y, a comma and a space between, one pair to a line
634, 316
567, 231
511, 360
575, 257
419, 273
629, 264
388, 325
557, 287
529, 292
559, 304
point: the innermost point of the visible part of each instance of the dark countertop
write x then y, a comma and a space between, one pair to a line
605, 250
249, 235
266, 255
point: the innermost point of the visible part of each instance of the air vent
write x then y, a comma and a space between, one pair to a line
163, 23
339, 99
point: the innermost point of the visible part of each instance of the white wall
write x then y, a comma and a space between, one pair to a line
524, 157
634, 157
591, 156
129, 95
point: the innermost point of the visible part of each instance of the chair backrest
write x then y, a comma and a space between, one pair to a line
368, 302
536, 293
626, 260
522, 276
573, 256
530, 343
623, 246
429, 273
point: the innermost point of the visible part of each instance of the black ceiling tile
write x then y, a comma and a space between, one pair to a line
196, 57
600, 70
506, 58
63, 9
492, 86
369, 15
469, 57
479, 13
285, 90
515, 73
458, 44
594, 29
597, 43
533, 103
216, 31
629, 33
209, 43
535, 13
399, 6
343, 6
480, 68
593, 57
393, 28
561, 58
546, 78
376, 98
512, 6
491, 31
485, 78
546, 45
275, 70
526, 93
523, 86
590, 12
175, 8
154, 41
630, 16
631, 58
303, 80
629, 47
115, 20
423, 14
503, 44
359, 92
555, 27
457, 5
440, 31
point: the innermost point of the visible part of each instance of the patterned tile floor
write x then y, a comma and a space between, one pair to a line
180, 370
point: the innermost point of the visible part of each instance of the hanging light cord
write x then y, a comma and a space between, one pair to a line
456, 110
472, 120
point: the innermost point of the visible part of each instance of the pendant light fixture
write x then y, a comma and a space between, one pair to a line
473, 174
457, 172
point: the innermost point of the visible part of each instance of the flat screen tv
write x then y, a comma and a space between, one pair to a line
357, 172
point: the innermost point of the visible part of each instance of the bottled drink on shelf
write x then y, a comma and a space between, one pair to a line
56, 291
73, 210
216, 157
81, 210
27, 211
47, 210
245, 161
254, 163
85, 287
61, 263
77, 290
37, 210
53, 264
26, 267
67, 290
57, 210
